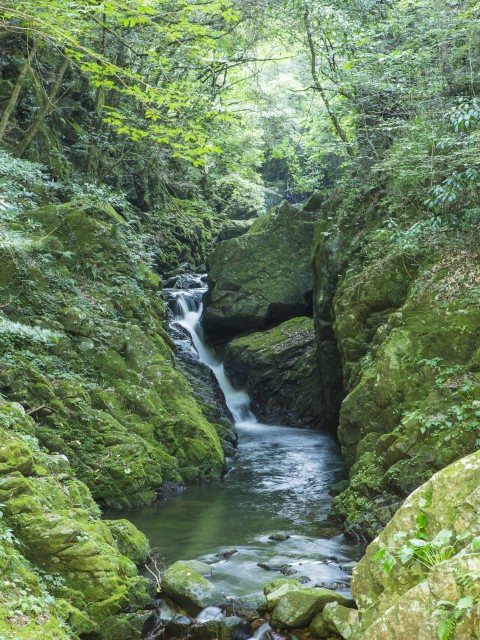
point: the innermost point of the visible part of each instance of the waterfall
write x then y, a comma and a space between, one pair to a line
187, 310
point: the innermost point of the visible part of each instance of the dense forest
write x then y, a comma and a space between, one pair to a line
239, 319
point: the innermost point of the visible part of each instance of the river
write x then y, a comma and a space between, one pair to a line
278, 482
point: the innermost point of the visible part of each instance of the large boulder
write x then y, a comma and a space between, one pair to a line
298, 607
411, 599
279, 366
263, 276
189, 589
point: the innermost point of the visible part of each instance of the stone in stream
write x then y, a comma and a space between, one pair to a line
279, 536
248, 607
298, 608
177, 626
202, 568
226, 553
190, 590
274, 596
229, 628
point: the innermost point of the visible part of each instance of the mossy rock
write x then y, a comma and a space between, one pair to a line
189, 589
130, 541
408, 595
263, 276
279, 367
297, 608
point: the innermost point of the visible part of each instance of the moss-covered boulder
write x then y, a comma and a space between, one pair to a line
279, 366
414, 598
264, 276
51, 528
189, 589
86, 352
298, 607
130, 541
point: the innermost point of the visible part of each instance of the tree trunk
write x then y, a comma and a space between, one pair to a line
319, 87
12, 103
44, 111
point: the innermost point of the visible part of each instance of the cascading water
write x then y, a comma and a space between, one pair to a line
188, 310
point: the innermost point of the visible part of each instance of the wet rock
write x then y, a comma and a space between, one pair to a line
288, 571
276, 584
202, 568
229, 628
298, 608
249, 607
279, 368
274, 596
279, 536
333, 586
227, 553
273, 566
190, 590
177, 626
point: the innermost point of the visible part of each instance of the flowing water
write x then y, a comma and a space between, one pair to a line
277, 482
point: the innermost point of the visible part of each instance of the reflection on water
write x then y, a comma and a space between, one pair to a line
279, 481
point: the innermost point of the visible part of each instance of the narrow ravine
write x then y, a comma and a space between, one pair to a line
278, 483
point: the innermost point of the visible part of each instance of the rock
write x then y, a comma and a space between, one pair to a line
333, 586
263, 276
297, 608
274, 596
279, 368
190, 590
272, 566
177, 626
279, 536
280, 582
202, 568
401, 603
340, 619
383, 356
227, 553
249, 607
234, 229
229, 628
130, 541
318, 627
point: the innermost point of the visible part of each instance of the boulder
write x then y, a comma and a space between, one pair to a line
340, 619
280, 368
190, 590
130, 541
263, 276
298, 608
234, 229
248, 607
401, 603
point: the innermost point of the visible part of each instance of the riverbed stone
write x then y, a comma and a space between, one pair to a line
190, 590
297, 608
274, 585
248, 606
263, 276
274, 596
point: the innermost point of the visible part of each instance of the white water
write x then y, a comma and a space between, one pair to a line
188, 313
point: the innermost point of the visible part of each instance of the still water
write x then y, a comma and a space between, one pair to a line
278, 482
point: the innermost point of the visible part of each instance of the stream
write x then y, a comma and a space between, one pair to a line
278, 483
